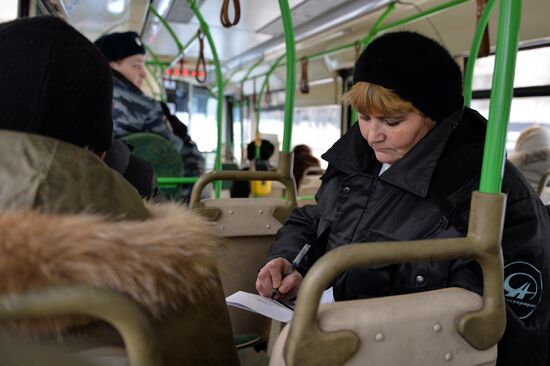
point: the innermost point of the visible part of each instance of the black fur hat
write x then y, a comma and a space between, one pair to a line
118, 46
54, 83
417, 69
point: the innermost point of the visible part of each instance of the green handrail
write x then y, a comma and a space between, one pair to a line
502, 92
219, 80
421, 15
175, 180
476, 43
167, 26
290, 87
182, 51
375, 29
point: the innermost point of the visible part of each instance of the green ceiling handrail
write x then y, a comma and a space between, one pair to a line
474, 50
501, 96
167, 26
290, 87
219, 80
419, 16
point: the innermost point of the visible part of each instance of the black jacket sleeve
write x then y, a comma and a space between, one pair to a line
299, 229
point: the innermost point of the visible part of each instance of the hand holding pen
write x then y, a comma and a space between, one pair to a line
292, 267
279, 278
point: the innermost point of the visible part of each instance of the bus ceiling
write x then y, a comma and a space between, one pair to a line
318, 25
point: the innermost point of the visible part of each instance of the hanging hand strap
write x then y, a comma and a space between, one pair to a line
224, 15
200, 59
304, 83
485, 46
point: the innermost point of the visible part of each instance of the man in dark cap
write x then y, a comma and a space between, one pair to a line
132, 110
406, 171
55, 123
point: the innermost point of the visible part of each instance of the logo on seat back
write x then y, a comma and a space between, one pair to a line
522, 288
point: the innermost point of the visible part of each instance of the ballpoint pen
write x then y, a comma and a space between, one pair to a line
292, 267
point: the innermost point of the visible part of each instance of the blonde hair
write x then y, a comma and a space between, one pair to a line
375, 99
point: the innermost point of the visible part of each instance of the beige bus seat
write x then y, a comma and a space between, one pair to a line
249, 226
140, 345
311, 181
450, 326
249, 229
412, 330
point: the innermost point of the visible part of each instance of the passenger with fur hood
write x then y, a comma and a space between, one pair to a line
532, 156
68, 219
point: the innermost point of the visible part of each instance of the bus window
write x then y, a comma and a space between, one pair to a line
531, 103
318, 127
8, 11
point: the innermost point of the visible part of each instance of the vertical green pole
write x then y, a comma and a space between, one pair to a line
501, 97
290, 88
476, 43
219, 80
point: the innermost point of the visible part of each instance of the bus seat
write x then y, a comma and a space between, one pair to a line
249, 229
162, 155
311, 181
414, 330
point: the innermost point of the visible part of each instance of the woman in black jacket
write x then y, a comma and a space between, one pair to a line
406, 171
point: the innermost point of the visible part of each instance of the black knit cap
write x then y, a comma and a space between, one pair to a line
54, 82
417, 69
118, 46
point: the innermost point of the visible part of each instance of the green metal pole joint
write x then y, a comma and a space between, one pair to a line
290, 87
501, 97
474, 50
219, 81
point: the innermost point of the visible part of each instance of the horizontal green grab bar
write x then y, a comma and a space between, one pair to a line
176, 180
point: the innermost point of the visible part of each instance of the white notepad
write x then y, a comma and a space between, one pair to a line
261, 305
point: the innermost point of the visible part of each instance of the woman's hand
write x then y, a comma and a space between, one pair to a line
271, 277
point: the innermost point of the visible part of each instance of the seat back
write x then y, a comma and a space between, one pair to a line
428, 328
249, 228
160, 153
414, 330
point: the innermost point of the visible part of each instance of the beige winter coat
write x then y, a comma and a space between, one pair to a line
162, 256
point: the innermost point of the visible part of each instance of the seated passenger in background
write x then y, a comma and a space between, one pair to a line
303, 160
133, 111
68, 219
406, 171
241, 189
532, 155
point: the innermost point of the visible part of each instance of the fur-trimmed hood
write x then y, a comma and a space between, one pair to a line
521, 158
163, 263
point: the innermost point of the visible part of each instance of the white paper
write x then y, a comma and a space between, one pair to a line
261, 305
